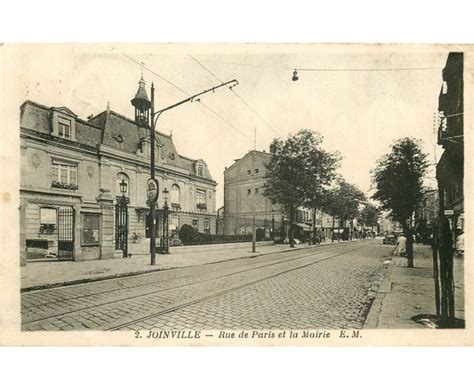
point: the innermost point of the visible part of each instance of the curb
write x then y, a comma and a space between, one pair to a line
136, 273
385, 287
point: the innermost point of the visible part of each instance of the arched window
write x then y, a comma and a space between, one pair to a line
122, 176
175, 195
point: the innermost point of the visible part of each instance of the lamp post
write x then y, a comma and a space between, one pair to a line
273, 228
121, 220
153, 119
164, 247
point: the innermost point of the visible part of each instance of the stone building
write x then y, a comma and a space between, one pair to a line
243, 194
71, 169
450, 176
450, 168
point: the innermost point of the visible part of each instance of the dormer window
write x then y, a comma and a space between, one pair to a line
200, 169
63, 123
64, 128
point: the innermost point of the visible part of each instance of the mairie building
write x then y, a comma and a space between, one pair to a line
73, 171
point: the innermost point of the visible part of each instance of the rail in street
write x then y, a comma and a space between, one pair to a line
316, 287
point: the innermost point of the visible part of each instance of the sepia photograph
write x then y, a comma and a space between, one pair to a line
237, 194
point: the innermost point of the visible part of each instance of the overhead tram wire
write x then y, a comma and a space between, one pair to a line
187, 94
224, 120
324, 69
238, 96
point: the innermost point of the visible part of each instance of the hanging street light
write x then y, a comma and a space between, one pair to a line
295, 76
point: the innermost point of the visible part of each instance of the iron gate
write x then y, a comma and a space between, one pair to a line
121, 225
66, 233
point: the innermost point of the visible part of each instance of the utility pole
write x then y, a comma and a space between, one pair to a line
154, 118
152, 174
254, 232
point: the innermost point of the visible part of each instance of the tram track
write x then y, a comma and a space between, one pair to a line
272, 263
122, 281
220, 293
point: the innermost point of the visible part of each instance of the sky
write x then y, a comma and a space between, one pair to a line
346, 93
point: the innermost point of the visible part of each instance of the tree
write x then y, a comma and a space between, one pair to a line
370, 214
343, 201
297, 169
350, 199
398, 180
331, 204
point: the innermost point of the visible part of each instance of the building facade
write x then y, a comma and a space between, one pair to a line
450, 168
71, 175
450, 176
243, 196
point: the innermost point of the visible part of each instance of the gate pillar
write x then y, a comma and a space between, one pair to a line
23, 204
77, 232
107, 239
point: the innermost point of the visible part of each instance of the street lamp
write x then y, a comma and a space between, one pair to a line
123, 187
273, 228
164, 247
121, 221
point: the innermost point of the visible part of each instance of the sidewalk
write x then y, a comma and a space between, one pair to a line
36, 275
409, 292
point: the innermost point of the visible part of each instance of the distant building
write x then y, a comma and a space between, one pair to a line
450, 168
243, 195
388, 226
71, 170
428, 212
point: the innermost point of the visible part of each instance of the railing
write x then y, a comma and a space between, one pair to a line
64, 186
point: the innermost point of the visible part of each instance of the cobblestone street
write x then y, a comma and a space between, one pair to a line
316, 287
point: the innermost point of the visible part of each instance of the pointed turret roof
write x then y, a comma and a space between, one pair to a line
141, 98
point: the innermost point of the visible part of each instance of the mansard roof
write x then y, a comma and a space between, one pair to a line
104, 128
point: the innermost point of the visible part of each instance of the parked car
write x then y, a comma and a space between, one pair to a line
390, 239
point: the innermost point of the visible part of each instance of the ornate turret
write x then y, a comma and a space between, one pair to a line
142, 104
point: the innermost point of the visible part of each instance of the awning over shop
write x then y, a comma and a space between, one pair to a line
305, 227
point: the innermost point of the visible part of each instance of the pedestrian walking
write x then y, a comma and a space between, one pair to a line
460, 243
401, 248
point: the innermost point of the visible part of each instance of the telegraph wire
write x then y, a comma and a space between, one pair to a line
224, 120
256, 113
202, 66
238, 96
156, 74
186, 93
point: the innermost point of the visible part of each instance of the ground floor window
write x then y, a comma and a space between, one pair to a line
207, 227
48, 220
90, 229
195, 224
